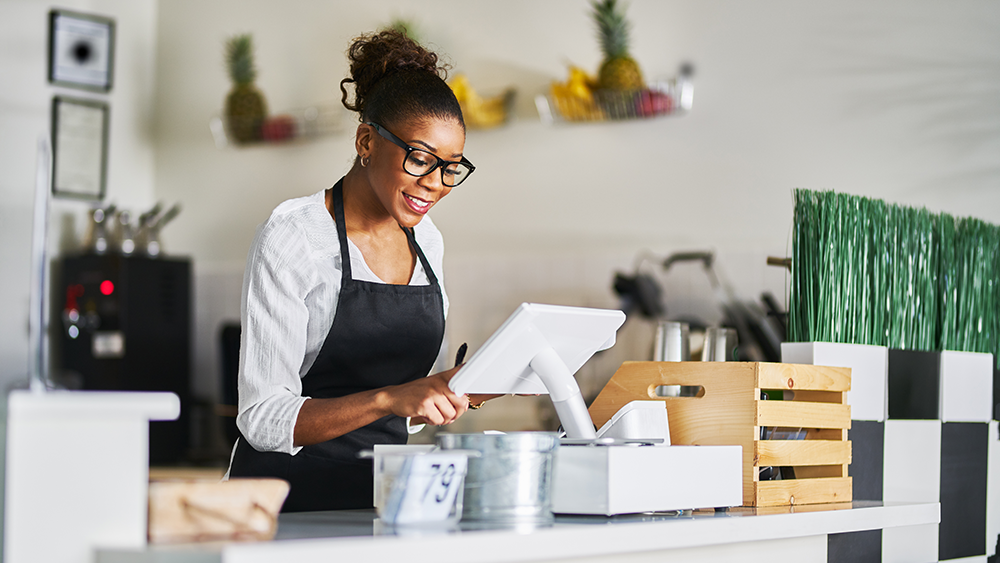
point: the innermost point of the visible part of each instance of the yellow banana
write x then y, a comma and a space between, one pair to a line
480, 112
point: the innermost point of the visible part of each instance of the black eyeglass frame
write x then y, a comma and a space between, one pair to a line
441, 163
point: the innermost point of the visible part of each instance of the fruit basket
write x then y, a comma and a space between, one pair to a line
618, 91
569, 104
313, 121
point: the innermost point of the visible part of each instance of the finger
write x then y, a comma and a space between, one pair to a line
459, 403
445, 391
447, 409
431, 413
459, 409
447, 375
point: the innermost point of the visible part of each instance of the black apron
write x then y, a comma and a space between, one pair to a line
381, 335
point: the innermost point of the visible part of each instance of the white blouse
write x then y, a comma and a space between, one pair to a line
290, 290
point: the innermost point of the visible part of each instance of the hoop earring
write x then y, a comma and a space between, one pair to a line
365, 160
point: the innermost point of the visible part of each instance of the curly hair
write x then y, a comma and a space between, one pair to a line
395, 79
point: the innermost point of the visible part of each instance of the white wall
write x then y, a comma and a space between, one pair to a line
25, 99
895, 100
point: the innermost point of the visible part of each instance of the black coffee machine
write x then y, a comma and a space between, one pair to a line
126, 326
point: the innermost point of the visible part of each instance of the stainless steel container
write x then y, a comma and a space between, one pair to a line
511, 482
673, 343
720, 345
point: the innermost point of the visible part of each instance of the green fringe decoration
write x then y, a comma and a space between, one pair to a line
868, 272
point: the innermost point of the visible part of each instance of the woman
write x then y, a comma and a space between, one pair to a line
343, 307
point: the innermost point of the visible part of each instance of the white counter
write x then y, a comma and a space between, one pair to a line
796, 534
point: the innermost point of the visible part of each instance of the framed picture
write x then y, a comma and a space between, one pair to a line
81, 50
79, 148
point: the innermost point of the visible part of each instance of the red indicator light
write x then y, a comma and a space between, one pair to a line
107, 288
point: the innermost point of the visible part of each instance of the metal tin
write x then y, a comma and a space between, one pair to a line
511, 482
720, 345
673, 343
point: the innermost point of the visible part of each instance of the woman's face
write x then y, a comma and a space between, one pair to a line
408, 198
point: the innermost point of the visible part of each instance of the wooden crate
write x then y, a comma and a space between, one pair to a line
729, 411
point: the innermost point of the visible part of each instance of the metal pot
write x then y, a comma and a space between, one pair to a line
511, 482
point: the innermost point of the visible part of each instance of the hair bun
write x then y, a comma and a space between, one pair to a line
375, 56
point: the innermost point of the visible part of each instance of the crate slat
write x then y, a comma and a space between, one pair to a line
796, 414
805, 377
802, 452
803, 491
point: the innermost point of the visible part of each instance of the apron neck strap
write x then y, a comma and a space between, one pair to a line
337, 198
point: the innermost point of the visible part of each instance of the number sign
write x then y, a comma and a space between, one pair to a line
425, 489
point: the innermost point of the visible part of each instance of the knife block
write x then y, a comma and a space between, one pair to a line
729, 410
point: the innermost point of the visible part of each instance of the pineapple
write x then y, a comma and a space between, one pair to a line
618, 71
245, 105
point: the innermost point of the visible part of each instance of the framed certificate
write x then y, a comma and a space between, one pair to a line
79, 148
81, 50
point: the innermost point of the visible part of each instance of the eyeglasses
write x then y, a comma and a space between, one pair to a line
419, 162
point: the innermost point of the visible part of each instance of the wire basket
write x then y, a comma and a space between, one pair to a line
669, 97
302, 123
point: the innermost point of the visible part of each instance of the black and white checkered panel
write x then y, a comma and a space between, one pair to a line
868, 399
937, 445
934, 440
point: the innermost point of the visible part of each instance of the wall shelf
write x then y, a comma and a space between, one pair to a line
288, 126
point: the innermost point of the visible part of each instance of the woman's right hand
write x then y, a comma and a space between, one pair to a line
428, 399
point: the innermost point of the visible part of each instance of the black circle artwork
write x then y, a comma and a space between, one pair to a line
82, 52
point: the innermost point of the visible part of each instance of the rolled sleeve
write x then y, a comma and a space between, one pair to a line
273, 343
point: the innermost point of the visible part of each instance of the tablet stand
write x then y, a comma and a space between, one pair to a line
565, 394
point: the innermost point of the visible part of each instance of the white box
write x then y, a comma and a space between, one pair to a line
910, 544
912, 464
611, 480
911, 473
868, 397
966, 387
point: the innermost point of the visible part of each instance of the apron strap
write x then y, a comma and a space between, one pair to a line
345, 256
338, 216
431, 277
